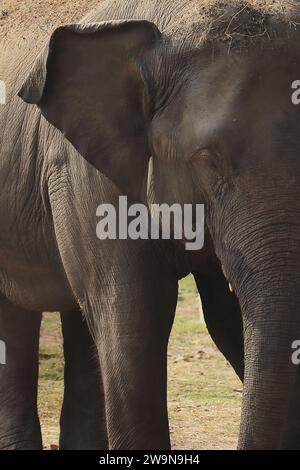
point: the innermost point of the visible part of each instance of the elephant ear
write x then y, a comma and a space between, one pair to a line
88, 83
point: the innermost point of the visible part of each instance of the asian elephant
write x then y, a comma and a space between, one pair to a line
167, 101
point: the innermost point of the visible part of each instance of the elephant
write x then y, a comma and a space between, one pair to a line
165, 101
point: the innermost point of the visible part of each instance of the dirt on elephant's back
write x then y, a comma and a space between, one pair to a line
20, 20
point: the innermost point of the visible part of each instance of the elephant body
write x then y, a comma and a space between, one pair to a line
51, 260
42, 156
132, 81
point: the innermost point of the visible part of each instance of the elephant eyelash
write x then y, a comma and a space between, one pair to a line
212, 159
200, 153
205, 154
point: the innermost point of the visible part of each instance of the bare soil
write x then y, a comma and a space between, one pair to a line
18, 17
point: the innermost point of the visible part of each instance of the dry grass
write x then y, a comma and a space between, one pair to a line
51, 378
23, 19
237, 23
204, 393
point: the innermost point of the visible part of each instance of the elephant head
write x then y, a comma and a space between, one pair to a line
221, 128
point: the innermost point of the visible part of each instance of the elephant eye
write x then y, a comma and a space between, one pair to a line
209, 158
203, 154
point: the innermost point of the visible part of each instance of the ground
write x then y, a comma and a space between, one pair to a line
204, 393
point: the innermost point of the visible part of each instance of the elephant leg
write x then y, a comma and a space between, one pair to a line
129, 300
19, 422
132, 323
82, 418
222, 315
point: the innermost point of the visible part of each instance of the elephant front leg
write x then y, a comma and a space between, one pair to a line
19, 422
132, 323
222, 314
83, 417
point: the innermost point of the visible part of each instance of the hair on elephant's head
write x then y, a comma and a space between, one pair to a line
211, 101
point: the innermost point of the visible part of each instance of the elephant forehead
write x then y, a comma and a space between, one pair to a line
229, 98
200, 110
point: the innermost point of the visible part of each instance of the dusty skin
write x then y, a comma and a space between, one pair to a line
204, 393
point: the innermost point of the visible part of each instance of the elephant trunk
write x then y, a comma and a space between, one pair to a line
261, 260
270, 378
270, 302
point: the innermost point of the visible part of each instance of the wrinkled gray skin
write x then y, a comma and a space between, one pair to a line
121, 93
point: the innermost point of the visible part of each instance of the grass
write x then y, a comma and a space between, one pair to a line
51, 378
204, 394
